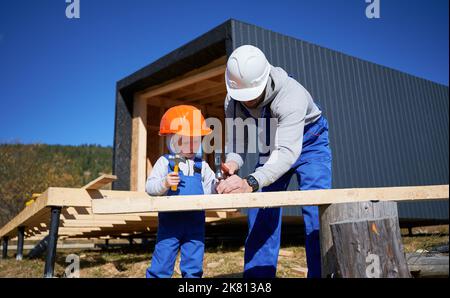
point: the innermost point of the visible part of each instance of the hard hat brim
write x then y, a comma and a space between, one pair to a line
248, 94
195, 133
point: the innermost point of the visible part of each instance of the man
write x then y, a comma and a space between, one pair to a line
300, 146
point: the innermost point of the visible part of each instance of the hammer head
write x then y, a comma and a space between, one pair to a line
176, 158
218, 165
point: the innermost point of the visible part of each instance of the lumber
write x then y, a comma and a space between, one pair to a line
428, 264
100, 182
131, 202
159, 90
26, 214
138, 167
85, 203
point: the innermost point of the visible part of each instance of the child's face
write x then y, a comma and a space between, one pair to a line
188, 146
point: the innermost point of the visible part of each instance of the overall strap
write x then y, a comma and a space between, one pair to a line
198, 163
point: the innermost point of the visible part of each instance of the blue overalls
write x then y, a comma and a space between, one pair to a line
180, 230
313, 171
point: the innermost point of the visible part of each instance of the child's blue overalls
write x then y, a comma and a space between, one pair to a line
313, 171
180, 230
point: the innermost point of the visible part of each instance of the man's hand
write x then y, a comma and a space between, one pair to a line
233, 184
229, 168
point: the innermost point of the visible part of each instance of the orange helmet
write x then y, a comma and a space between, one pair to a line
183, 120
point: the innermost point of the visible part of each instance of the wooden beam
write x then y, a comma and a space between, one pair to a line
100, 182
103, 217
166, 88
199, 88
87, 225
142, 202
210, 92
214, 92
90, 223
217, 99
164, 102
28, 212
138, 169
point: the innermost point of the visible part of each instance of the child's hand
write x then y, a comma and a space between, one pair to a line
172, 179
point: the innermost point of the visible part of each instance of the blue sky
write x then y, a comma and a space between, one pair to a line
58, 75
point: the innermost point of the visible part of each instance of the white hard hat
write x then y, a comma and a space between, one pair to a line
247, 73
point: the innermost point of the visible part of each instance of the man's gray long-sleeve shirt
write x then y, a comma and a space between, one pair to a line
293, 108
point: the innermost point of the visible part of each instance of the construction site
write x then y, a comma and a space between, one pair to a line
381, 194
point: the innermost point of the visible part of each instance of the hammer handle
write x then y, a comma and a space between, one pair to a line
175, 169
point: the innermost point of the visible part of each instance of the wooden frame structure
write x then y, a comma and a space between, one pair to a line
90, 212
203, 88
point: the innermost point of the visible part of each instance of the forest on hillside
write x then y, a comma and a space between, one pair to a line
31, 168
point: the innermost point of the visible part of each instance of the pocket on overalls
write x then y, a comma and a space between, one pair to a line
316, 143
313, 132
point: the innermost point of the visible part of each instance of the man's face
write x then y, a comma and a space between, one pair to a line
254, 102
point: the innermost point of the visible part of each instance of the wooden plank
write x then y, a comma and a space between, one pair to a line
64, 230
214, 91
26, 214
100, 181
103, 217
217, 62
224, 214
90, 226
140, 203
166, 88
166, 102
428, 264
89, 214
90, 223
198, 88
130, 202
217, 99
163, 102
138, 165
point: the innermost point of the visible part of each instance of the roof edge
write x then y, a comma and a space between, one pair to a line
211, 37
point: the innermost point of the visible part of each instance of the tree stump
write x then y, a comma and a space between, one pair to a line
354, 216
369, 248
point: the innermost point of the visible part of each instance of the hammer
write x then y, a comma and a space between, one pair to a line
177, 159
218, 165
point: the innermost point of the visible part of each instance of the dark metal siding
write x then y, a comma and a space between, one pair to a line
387, 128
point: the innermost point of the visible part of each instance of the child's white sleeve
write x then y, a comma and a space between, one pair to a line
155, 182
209, 179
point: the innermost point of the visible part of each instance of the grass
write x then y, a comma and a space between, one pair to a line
218, 262
222, 260
426, 238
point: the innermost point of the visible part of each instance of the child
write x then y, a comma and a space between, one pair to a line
181, 230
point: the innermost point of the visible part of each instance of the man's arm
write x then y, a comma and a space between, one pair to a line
291, 113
